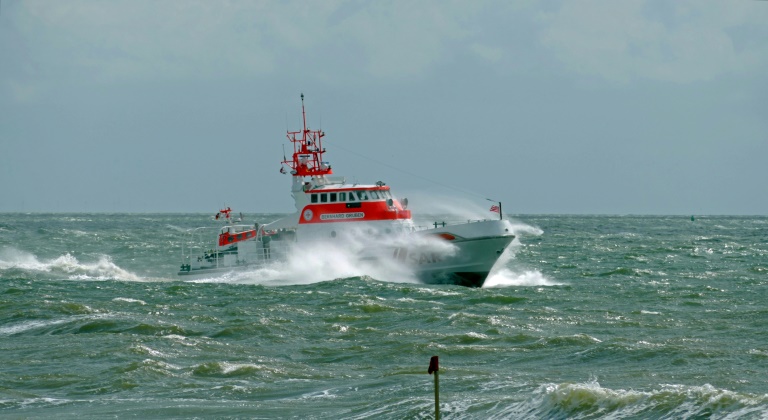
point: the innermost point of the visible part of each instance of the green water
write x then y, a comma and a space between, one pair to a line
590, 317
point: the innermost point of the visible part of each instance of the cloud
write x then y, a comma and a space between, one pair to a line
162, 39
340, 41
682, 41
117, 40
404, 38
488, 53
23, 92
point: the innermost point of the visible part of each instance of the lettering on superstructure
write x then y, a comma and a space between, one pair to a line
342, 216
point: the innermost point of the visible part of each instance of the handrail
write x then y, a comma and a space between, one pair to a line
442, 224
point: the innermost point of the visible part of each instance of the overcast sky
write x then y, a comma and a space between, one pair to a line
598, 107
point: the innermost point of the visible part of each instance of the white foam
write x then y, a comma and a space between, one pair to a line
506, 277
505, 274
67, 264
30, 325
129, 300
13, 258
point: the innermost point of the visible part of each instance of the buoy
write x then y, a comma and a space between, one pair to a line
692, 218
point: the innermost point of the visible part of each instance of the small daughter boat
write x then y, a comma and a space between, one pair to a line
329, 210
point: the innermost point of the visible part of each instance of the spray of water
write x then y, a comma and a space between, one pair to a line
461, 209
355, 253
507, 273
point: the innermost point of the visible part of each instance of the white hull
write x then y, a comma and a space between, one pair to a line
466, 259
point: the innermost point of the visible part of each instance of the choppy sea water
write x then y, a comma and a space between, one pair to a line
586, 317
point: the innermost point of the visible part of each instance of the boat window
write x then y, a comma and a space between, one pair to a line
342, 196
313, 198
386, 194
352, 196
374, 195
332, 197
323, 198
363, 195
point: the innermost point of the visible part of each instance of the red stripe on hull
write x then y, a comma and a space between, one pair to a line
340, 212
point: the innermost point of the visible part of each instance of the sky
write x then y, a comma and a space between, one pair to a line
550, 107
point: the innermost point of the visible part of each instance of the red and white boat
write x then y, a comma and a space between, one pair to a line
330, 210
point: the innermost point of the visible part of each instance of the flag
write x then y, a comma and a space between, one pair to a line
495, 208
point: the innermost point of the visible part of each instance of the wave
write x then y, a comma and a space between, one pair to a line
21, 264
590, 400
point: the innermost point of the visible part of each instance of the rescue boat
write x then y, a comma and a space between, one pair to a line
330, 209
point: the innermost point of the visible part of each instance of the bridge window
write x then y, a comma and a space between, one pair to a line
313, 198
374, 195
352, 196
363, 195
323, 198
332, 197
342, 196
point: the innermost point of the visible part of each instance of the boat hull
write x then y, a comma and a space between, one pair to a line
461, 254
471, 264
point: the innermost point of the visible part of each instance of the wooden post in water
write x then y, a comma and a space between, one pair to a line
435, 368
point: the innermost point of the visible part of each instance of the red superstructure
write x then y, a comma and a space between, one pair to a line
324, 199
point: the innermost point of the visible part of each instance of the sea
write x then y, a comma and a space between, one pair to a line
584, 317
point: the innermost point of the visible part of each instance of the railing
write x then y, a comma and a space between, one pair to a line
210, 255
193, 241
440, 224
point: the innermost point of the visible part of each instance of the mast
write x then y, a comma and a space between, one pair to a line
307, 158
